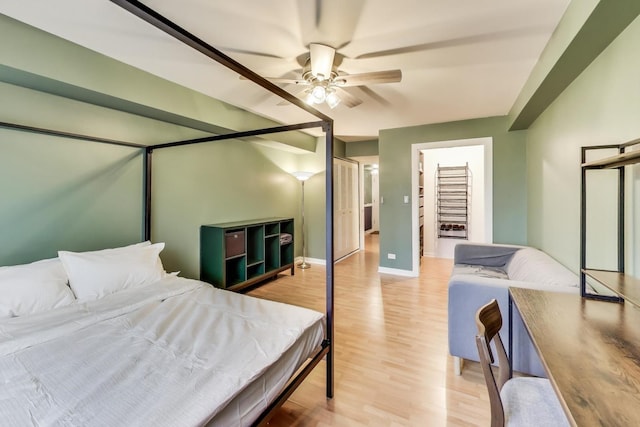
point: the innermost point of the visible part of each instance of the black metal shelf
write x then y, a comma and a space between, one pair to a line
622, 159
452, 201
624, 286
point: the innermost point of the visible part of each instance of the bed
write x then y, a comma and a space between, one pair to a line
156, 349
142, 347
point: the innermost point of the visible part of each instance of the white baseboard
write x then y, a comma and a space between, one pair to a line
398, 272
383, 270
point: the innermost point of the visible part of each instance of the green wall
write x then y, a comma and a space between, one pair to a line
509, 192
59, 193
216, 182
62, 194
362, 148
600, 107
315, 202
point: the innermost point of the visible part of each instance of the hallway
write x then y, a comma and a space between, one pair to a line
392, 366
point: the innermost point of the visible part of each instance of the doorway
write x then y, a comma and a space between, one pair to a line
442, 209
346, 230
369, 201
478, 152
370, 190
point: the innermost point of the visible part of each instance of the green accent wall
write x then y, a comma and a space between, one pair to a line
60, 193
216, 182
600, 107
315, 201
362, 148
509, 178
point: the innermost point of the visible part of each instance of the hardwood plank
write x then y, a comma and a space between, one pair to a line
392, 366
591, 351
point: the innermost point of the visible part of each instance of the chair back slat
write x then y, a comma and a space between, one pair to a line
489, 323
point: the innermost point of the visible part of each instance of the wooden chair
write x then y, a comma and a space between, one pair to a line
521, 401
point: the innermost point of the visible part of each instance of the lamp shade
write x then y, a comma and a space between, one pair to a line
302, 176
332, 99
319, 94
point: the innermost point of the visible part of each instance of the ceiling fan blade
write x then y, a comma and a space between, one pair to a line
375, 77
455, 42
250, 52
321, 60
332, 22
347, 99
283, 80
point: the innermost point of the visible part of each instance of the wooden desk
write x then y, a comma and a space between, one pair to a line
591, 352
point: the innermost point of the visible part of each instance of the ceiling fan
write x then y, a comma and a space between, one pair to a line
325, 83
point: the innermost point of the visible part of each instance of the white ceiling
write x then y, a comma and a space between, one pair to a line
460, 59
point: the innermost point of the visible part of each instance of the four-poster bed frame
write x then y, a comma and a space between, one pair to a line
325, 122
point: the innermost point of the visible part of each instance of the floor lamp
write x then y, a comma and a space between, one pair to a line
302, 177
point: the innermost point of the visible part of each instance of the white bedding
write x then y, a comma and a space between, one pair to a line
174, 353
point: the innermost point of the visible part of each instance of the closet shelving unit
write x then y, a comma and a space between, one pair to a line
624, 286
452, 201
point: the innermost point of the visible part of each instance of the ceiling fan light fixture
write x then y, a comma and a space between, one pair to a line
321, 58
332, 99
319, 94
308, 98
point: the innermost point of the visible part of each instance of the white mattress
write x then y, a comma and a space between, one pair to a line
175, 353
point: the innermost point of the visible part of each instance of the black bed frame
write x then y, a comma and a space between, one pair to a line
326, 123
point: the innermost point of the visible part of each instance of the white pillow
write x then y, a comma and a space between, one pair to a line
93, 275
533, 265
32, 288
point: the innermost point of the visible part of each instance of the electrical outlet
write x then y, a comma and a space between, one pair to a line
391, 256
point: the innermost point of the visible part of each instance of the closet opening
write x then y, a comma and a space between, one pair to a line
453, 197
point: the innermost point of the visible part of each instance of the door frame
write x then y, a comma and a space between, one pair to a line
358, 205
487, 142
362, 161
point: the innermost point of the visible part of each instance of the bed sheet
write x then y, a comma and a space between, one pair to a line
175, 353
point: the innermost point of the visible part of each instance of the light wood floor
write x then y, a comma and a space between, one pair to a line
392, 366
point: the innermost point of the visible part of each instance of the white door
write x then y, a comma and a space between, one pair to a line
345, 208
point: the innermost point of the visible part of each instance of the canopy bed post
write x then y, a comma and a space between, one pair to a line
328, 128
146, 181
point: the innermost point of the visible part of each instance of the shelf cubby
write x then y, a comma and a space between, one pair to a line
235, 270
255, 246
272, 246
272, 229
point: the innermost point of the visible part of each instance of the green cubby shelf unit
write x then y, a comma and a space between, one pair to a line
236, 255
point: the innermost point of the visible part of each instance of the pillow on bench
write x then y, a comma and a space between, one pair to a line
480, 271
532, 265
